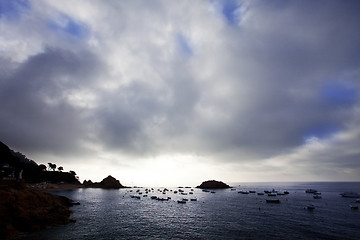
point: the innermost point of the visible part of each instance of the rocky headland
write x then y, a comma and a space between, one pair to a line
212, 184
23, 209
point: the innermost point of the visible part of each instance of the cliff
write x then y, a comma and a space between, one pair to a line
212, 184
23, 209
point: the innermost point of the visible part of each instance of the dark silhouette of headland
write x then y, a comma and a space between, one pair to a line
24, 206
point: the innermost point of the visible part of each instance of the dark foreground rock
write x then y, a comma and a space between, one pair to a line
212, 184
23, 209
109, 182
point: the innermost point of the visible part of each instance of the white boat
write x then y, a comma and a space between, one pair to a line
350, 194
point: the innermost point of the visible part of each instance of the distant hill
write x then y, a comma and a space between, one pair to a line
17, 165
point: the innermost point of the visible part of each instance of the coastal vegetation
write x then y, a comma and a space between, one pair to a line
17, 165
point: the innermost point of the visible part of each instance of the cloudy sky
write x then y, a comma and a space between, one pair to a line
177, 92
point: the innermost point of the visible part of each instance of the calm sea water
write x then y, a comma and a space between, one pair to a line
225, 214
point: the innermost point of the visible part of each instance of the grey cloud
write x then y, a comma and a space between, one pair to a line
254, 94
35, 110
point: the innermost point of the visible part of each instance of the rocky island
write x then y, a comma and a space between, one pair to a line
212, 184
109, 183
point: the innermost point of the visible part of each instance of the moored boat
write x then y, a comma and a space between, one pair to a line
310, 190
350, 195
310, 207
354, 207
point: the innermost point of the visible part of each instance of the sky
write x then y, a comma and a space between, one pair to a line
178, 92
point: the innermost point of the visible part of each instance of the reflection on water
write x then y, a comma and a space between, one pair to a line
225, 214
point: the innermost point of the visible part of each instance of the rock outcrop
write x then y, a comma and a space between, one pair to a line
212, 184
23, 209
109, 182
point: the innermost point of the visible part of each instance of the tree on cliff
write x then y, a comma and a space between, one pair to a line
52, 166
42, 167
60, 169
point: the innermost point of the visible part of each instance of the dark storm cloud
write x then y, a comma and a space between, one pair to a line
34, 106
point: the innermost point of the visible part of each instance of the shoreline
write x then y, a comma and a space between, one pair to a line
54, 187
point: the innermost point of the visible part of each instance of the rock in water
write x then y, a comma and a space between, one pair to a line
212, 184
110, 182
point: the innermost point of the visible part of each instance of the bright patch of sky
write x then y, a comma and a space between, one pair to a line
12, 9
184, 45
321, 131
339, 94
66, 24
229, 11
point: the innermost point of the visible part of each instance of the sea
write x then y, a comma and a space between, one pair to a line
218, 214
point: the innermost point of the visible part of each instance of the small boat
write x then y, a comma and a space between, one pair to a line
212, 192
193, 199
260, 193
191, 193
233, 189
310, 207
272, 194
267, 191
357, 200
243, 192
286, 192
153, 197
310, 190
163, 199
317, 196
252, 191
354, 207
185, 199
350, 194
181, 201
272, 200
